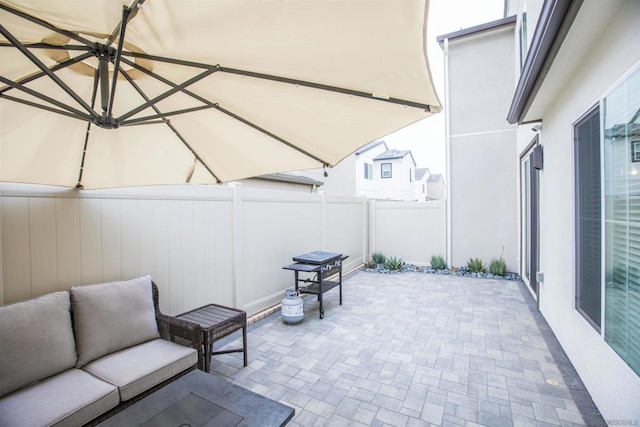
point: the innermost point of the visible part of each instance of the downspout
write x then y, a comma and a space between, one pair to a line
447, 136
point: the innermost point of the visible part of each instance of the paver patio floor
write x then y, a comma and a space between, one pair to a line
415, 349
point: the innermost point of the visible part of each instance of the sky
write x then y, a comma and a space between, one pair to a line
426, 138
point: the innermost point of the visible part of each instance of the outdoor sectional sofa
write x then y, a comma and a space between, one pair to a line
77, 357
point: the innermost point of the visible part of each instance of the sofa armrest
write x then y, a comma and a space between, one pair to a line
177, 330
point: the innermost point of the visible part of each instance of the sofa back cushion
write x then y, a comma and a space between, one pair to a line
36, 341
112, 316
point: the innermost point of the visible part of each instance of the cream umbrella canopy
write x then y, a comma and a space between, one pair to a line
101, 93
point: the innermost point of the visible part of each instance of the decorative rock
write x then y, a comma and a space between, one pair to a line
461, 271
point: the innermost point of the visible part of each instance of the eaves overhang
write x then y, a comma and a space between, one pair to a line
555, 21
488, 26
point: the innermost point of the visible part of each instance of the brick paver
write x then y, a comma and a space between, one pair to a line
415, 349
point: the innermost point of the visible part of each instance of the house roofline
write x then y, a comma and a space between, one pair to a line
370, 146
296, 179
401, 154
477, 29
555, 20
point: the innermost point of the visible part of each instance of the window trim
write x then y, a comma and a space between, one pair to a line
635, 151
382, 171
368, 171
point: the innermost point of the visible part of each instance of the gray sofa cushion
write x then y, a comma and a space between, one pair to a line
36, 341
139, 368
112, 316
79, 398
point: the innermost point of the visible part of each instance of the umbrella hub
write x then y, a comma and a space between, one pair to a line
102, 51
106, 122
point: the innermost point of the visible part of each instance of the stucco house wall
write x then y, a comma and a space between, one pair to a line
482, 174
601, 47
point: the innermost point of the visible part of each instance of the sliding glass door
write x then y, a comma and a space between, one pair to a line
529, 217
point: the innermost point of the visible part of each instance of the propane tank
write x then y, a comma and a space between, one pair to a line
292, 307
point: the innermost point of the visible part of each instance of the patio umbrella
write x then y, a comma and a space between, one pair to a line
98, 94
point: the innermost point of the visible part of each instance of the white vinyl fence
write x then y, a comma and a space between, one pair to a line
201, 244
412, 231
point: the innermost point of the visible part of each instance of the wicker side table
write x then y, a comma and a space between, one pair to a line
217, 321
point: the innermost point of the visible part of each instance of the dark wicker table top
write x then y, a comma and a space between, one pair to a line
213, 316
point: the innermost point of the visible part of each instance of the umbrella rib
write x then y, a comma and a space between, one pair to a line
134, 11
227, 112
167, 94
142, 120
50, 46
46, 70
166, 81
47, 25
116, 66
168, 123
270, 134
328, 88
174, 61
44, 107
57, 67
76, 113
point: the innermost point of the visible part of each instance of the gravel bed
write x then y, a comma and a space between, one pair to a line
460, 271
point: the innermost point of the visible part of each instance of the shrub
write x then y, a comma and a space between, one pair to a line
438, 262
475, 265
378, 258
498, 267
393, 263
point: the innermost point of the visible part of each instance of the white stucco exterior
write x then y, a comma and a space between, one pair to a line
593, 51
602, 46
481, 144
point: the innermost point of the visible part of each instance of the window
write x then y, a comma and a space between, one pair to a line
635, 151
524, 42
385, 170
615, 175
621, 122
410, 175
588, 217
368, 171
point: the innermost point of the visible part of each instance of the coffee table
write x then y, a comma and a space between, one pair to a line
201, 399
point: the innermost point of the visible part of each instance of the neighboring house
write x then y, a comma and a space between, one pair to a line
374, 171
393, 176
348, 176
283, 181
571, 148
428, 186
436, 187
420, 182
364, 163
